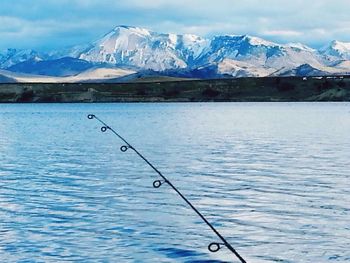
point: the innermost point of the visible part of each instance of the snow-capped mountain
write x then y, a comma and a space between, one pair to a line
143, 49
139, 50
12, 57
230, 54
337, 49
258, 53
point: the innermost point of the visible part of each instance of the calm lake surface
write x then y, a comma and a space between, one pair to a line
274, 178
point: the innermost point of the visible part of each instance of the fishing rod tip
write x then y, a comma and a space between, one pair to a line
91, 116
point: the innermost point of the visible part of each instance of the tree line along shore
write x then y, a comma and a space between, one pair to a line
269, 89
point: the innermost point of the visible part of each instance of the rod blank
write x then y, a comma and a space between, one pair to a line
213, 247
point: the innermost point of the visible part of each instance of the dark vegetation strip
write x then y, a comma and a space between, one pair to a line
242, 89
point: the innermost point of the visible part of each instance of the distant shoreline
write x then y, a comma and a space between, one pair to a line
269, 89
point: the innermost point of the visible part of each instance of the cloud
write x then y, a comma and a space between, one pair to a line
282, 33
54, 23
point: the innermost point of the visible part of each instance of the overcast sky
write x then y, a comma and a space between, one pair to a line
50, 24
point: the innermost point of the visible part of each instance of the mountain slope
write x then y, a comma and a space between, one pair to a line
141, 50
91, 75
135, 47
12, 57
337, 50
234, 55
261, 53
6, 79
62, 67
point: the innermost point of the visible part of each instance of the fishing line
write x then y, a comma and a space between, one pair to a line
213, 247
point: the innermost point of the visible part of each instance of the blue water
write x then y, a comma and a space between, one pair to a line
273, 178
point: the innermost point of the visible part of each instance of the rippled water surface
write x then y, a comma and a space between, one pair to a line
273, 178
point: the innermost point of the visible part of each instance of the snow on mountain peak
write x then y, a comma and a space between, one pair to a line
131, 30
337, 49
342, 47
237, 55
191, 37
256, 41
300, 46
13, 56
136, 47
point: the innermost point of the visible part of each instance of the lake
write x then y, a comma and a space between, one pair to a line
273, 178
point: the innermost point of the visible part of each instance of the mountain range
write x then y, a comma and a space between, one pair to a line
133, 52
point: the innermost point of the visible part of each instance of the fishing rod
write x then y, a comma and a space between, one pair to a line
213, 247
